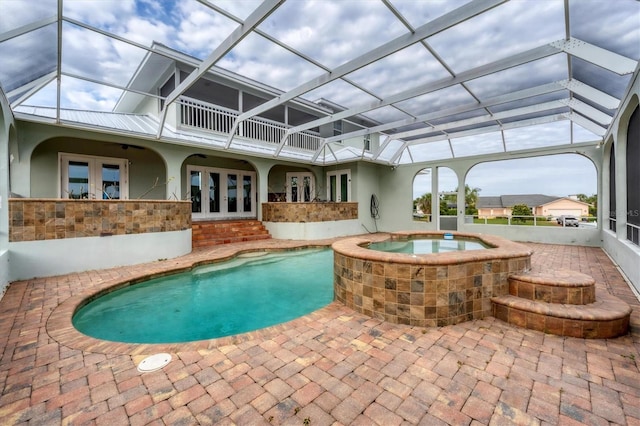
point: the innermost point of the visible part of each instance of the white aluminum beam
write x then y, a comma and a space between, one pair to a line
588, 111
606, 59
573, 85
30, 88
501, 65
591, 93
587, 124
485, 118
439, 24
17, 32
257, 16
489, 129
510, 97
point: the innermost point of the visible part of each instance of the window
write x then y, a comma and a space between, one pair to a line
300, 187
166, 89
337, 128
367, 142
88, 177
339, 186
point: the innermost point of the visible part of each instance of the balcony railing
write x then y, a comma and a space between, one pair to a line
633, 233
583, 222
209, 117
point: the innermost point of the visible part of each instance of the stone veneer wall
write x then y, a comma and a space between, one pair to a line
425, 290
308, 212
34, 219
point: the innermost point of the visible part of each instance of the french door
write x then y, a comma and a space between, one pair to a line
88, 177
300, 188
221, 193
339, 186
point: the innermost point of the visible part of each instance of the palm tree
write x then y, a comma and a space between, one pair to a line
423, 204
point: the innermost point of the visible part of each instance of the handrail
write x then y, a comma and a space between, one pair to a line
205, 116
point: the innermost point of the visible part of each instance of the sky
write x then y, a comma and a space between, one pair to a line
326, 34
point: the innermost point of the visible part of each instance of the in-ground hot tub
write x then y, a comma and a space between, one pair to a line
434, 289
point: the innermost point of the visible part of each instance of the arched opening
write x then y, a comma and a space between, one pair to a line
76, 169
543, 190
633, 178
293, 185
425, 204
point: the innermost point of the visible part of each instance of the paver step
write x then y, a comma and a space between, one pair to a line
554, 286
606, 318
211, 233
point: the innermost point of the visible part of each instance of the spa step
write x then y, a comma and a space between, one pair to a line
562, 302
606, 318
212, 233
559, 286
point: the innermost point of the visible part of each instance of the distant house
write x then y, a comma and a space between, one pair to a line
540, 205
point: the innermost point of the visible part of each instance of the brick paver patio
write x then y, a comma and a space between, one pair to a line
330, 367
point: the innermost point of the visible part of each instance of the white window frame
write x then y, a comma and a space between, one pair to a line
337, 174
95, 176
300, 176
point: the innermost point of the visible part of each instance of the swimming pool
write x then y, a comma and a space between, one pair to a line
250, 292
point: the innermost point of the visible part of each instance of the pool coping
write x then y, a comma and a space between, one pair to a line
60, 328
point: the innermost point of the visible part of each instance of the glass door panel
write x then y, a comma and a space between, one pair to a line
196, 191
78, 182
343, 187
294, 189
214, 192
110, 181
246, 194
232, 193
333, 188
306, 188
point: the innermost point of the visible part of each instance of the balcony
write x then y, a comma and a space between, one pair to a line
198, 115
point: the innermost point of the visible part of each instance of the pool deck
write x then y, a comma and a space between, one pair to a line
333, 366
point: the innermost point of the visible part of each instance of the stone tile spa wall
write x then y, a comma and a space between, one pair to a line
425, 290
308, 212
34, 219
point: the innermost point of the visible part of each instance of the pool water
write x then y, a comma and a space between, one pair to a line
248, 293
426, 246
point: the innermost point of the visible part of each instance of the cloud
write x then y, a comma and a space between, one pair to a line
261, 60
333, 31
501, 32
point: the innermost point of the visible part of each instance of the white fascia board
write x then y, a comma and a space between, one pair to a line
591, 93
448, 20
606, 59
587, 124
588, 111
497, 66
